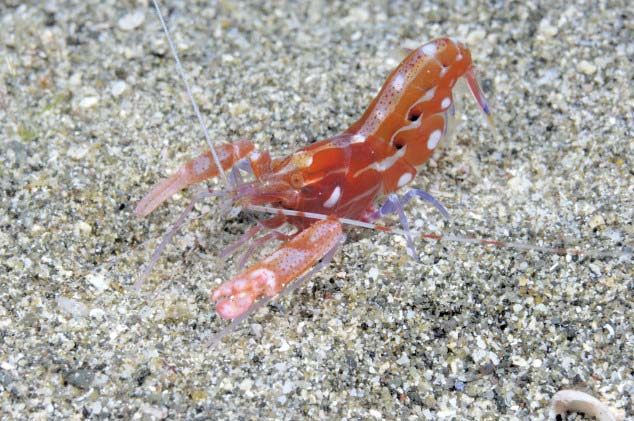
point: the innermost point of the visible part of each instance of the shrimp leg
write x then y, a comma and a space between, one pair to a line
394, 204
268, 277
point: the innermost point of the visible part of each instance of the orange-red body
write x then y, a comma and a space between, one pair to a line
343, 176
381, 152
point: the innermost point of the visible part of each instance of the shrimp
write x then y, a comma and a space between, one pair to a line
341, 178
352, 178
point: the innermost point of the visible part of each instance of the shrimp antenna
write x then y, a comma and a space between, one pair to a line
627, 253
183, 76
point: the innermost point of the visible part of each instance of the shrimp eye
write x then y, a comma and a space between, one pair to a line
297, 181
413, 116
398, 144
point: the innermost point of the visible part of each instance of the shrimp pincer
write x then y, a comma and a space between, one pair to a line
350, 178
269, 276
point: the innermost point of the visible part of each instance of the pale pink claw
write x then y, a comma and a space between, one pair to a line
272, 274
231, 308
195, 171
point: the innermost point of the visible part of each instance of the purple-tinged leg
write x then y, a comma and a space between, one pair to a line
168, 236
421, 194
271, 223
390, 206
394, 204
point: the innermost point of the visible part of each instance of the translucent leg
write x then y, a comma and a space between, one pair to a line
391, 206
278, 235
167, 238
271, 223
394, 204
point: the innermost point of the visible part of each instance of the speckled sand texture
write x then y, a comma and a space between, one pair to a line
92, 115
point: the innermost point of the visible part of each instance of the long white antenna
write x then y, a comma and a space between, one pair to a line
450, 238
183, 76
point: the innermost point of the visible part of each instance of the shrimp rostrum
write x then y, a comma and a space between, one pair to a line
350, 177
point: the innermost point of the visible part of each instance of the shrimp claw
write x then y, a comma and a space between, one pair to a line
268, 277
195, 171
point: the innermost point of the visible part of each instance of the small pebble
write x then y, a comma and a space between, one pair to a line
97, 313
546, 29
403, 360
288, 387
596, 221
257, 330
476, 36
586, 68
154, 412
519, 185
376, 414
72, 307
519, 361
78, 152
88, 102
118, 88
81, 379
95, 408
246, 385
132, 20
83, 228
98, 281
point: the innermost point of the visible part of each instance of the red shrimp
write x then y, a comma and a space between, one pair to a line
340, 179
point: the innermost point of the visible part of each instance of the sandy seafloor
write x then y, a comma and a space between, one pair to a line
92, 114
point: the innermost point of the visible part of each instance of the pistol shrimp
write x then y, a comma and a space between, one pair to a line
349, 179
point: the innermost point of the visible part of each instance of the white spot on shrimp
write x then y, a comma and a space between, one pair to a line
334, 198
458, 57
358, 138
387, 163
201, 165
429, 49
443, 71
433, 140
398, 82
404, 179
445, 103
429, 95
224, 153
